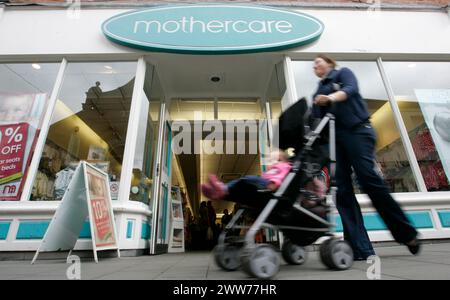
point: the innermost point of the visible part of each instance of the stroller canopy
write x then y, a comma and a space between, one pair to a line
291, 126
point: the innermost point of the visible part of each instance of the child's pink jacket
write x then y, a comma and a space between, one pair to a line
277, 173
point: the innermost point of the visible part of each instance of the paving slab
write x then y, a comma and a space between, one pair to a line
395, 264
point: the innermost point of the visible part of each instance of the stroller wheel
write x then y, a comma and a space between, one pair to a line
227, 257
293, 254
262, 261
336, 254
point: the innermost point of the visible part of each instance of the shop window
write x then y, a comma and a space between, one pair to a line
145, 155
391, 159
24, 93
89, 123
422, 91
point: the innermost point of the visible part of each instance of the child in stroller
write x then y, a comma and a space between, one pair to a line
289, 199
278, 168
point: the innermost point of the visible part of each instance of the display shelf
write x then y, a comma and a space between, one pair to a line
177, 230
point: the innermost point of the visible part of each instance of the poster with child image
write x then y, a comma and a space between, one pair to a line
21, 116
101, 208
86, 197
435, 107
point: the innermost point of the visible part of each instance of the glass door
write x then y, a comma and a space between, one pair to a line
163, 218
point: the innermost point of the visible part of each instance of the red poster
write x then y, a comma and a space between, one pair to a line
101, 216
20, 120
13, 140
101, 210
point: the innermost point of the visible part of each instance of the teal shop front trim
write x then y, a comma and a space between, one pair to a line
169, 150
145, 231
444, 217
163, 221
338, 222
130, 229
32, 230
213, 29
373, 221
86, 231
421, 219
4, 230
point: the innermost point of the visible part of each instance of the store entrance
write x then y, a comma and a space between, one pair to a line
213, 150
219, 116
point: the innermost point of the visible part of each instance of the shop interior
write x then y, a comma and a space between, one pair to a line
92, 127
191, 170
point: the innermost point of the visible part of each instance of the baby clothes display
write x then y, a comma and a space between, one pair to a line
434, 176
423, 144
393, 165
442, 177
40, 187
62, 181
430, 165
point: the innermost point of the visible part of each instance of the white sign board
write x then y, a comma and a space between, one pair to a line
88, 195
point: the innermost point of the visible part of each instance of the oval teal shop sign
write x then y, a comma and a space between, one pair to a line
213, 29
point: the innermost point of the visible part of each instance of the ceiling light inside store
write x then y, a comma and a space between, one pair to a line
412, 65
215, 79
108, 67
36, 66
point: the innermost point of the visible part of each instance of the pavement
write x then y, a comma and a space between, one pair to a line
396, 264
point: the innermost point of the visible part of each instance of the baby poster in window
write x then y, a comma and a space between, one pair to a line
20, 120
435, 106
100, 205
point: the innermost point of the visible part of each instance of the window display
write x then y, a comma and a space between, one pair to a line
424, 103
89, 123
24, 95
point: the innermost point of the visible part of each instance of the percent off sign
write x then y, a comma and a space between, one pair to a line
13, 137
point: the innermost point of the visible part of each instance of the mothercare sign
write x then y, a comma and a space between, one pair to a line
213, 29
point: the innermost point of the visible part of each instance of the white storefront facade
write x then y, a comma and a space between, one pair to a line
401, 59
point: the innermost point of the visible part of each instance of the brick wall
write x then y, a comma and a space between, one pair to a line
440, 3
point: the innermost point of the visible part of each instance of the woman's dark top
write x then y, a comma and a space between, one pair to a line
349, 113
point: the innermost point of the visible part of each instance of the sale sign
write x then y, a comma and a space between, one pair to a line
101, 209
21, 117
13, 140
87, 196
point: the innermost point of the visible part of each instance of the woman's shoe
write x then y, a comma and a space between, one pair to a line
414, 246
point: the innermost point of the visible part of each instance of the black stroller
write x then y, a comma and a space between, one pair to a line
301, 216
